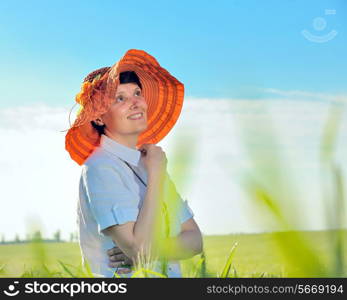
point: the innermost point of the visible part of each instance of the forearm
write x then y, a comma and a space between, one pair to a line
145, 237
146, 226
185, 245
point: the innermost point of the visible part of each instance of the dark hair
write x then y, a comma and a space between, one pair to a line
124, 77
129, 77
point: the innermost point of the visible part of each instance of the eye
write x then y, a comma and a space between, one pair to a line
119, 98
138, 93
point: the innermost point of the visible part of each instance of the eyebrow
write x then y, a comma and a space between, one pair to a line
121, 92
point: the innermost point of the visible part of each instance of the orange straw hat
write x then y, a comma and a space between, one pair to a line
163, 93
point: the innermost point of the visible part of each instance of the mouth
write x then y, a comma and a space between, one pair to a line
137, 116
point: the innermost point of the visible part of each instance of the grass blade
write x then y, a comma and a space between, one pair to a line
227, 266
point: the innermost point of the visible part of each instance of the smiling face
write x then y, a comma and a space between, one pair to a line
127, 116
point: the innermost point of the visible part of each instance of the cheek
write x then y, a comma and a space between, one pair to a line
118, 117
114, 116
144, 104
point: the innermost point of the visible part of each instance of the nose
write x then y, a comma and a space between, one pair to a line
134, 101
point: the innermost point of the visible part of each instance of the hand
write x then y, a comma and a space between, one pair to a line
154, 158
117, 259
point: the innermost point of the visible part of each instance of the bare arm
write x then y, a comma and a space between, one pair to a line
133, 237
140, 236
187, 244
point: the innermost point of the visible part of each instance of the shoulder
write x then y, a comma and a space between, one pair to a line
99, 160
102, 173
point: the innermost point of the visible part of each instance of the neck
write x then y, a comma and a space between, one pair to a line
126, 140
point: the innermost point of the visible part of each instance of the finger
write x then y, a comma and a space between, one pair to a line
117, 257
118, 264
147, 146
111, 251
144, 146
124, 271
114, 251
129, 261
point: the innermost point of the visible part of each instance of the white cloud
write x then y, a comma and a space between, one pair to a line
305, 95
38, 177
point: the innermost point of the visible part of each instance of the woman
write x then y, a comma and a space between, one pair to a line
124, 184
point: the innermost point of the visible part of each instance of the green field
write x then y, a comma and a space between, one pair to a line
256, 255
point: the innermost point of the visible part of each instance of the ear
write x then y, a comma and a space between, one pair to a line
99, 122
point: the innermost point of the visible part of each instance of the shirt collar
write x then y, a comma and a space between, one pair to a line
132, 156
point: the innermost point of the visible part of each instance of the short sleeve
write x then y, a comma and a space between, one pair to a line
110, 201
184, 212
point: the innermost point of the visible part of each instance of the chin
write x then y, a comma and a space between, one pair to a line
140, 129
143, 127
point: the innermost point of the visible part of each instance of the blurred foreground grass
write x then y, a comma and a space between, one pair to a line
255, 255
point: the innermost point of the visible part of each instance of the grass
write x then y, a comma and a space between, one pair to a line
288, 253
254, 255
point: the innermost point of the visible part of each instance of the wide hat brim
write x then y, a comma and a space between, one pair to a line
164, 95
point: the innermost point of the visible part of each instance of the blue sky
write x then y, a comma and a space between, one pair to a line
233, 51
218, 49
